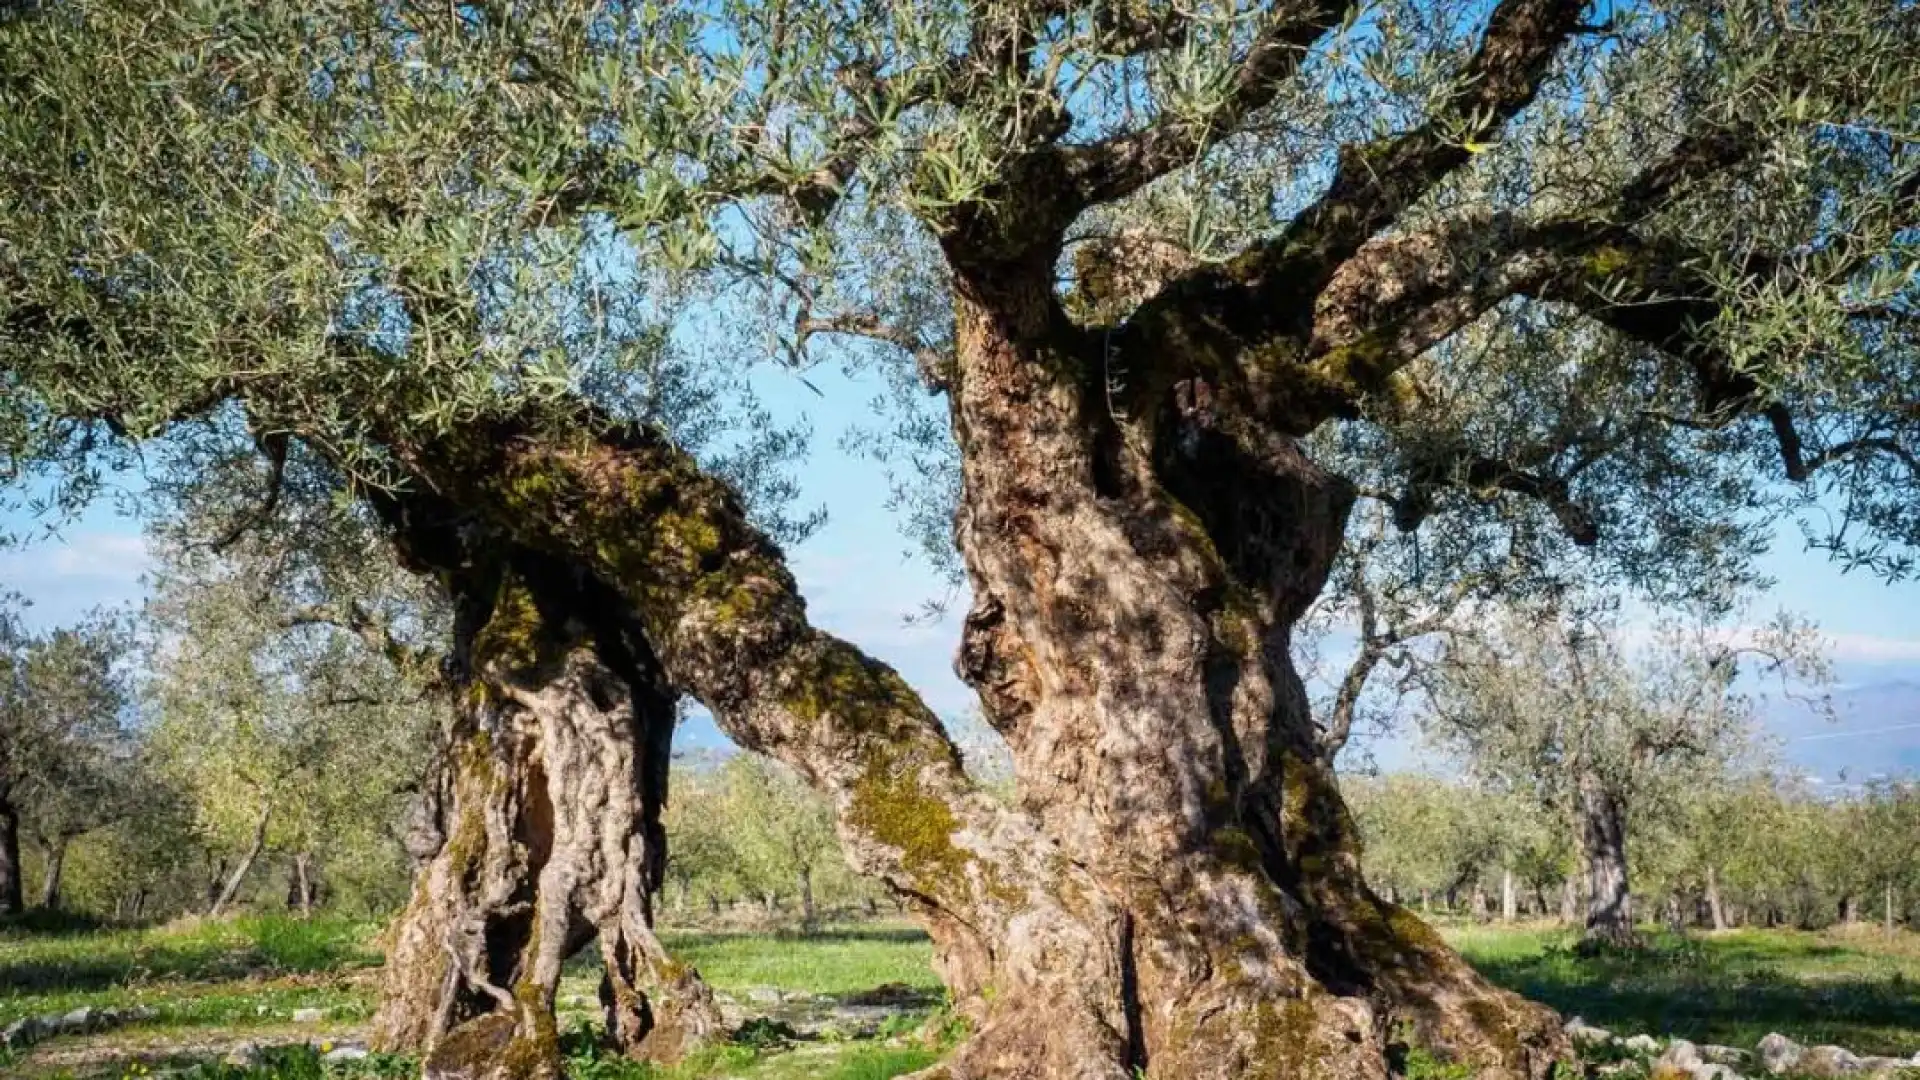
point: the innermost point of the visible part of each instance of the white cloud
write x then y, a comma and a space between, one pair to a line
62, 578
1874, 649
92, 555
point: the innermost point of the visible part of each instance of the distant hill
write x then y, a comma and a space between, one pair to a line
1875, 732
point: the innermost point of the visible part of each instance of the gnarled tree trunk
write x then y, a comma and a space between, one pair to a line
1603, 837
1179, 893
552, 838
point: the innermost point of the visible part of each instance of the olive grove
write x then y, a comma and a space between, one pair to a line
1543, 283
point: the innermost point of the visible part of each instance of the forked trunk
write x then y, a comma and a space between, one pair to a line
1136, 582
552, 840
303, 885
1178, 895
231, 890
1603, 833
11, 899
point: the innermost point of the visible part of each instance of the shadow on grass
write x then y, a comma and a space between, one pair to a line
1719, 992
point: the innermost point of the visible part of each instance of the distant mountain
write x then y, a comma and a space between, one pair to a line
1875, 732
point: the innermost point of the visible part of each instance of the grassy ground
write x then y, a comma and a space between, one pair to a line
213, 985
1857, 989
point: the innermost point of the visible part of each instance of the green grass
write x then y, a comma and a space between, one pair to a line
215, 980
1860, 991
831, 963
249, 971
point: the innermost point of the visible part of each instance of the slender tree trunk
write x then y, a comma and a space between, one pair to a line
56, 859
554, 794
1715, 908
713, 905
808, 916
1481, 912
1603, 821
1570, 901
303, 887
247, 858
11, 901
1889, 907
1509, 900
1849, 911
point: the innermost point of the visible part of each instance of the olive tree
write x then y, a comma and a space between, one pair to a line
1562, 707
1615, 276
68, 755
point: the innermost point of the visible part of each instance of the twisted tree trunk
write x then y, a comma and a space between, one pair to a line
1179, 893
553, 839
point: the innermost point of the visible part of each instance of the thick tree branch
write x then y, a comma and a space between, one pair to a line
1116, 167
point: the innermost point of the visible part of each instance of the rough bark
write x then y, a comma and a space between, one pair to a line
1715, 909
553, 840
55, 849
11, 898
1179, 893
255, 846
1603, 834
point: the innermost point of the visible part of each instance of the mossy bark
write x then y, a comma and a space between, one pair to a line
551, 839
1178, 892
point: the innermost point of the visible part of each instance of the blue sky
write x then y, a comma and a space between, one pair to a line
861, 584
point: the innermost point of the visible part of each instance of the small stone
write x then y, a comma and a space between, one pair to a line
1724, 1055
1825, 1061
245, 1055
21, 1032
1585, 1034
309, 1016
343, 1053
1643, 1044
763, 995
1714, 1071
1885, 1068
1779, 1054
139, 1013
79, 1019
1681, 1054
